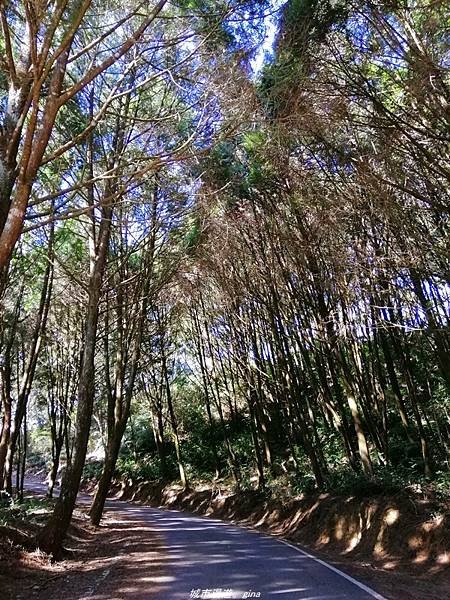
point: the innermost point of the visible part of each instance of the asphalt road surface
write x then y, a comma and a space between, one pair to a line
207, 558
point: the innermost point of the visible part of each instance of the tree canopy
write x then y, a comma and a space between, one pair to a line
210, 272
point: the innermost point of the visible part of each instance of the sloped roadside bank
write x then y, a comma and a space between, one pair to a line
399, 544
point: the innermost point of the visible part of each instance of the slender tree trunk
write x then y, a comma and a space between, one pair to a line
30, 368
104, 483
51, 538
124, 388
5, 396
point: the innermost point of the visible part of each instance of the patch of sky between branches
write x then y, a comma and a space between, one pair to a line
265, 51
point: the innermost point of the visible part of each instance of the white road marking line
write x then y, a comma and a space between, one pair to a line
251, 529
367, 589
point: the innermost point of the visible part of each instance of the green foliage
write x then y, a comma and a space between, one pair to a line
30, 510
139, 439
92, 470
146, 468
310, 20
36, 460
441, 485
304, 24
346, 481
69, 244
223, 166
192, 235
73, 119
254, 141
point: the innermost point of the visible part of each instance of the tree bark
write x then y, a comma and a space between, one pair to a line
51, 538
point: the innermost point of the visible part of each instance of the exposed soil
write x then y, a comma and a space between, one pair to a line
122, 558
400, 545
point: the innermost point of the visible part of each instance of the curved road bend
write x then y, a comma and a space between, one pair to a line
207, 558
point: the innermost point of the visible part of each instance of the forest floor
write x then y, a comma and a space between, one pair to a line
121, 557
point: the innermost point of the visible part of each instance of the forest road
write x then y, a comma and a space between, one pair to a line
207, 558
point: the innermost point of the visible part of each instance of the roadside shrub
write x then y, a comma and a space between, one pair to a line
92, 470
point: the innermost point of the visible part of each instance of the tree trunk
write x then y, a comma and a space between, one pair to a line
111, 455
30, 368
51, 538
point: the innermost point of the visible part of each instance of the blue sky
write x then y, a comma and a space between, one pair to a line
266, 47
